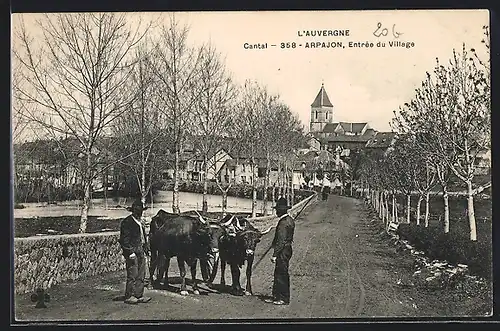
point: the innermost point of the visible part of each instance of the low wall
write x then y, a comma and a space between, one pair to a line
46, 261
49, 260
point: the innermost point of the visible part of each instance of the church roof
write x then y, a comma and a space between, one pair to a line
322, 99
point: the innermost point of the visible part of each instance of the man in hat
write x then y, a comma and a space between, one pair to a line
282, 245
133, 241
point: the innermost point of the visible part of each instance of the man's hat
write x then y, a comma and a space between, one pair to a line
137, 203
282, 204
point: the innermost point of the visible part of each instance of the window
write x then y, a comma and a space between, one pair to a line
316, 115
226, 178
244, 179
326, 115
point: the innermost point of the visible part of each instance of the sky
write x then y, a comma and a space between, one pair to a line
364, 84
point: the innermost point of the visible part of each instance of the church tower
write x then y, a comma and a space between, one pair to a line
321, 111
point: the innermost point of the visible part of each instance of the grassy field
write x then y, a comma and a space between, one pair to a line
26, 227
459, 221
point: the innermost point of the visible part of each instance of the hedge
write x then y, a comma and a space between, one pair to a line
46, 261
454, 246
237, 190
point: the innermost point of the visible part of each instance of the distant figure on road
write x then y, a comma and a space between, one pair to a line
133, 241
325, 190
282, 245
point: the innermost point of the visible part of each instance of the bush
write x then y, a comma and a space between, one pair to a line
25, 227
454, 246
238, 190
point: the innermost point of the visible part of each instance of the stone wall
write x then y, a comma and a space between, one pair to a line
46, 261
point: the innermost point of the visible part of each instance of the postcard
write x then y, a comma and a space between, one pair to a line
251, 165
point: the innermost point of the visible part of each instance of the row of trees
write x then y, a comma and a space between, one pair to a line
441, 131
97, 76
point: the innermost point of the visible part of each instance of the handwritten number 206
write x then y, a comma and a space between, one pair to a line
383, 32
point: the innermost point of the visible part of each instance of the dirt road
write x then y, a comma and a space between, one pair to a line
341, 267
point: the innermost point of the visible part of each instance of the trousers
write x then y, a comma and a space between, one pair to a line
281, 284
136, 271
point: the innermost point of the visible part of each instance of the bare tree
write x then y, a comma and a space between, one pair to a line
214, 96
454, 106
466, 124
418, 118
77, 74
251, 114
177, 72
140, 130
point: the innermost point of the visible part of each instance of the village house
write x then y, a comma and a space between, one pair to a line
311, 144
381, 142
239, 171
56, 162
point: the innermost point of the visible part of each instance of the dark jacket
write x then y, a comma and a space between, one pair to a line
284, 233
130, 237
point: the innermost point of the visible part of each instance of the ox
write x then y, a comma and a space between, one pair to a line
185, 237
238, 248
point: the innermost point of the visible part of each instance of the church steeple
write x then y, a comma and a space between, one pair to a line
321, 111
322, 99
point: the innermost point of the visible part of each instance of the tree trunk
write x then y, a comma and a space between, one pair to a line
393, 208
266, 183
419, 203
224, 203
292, 192
446, 209
470, 211
273, 198
204, 207
142, 184
106, 190
408, 208
387, 209
380, 204
287, 183
427, 209
85, 209
279, 180
175, 194
396, 209
87, 193
151, 192
254, 190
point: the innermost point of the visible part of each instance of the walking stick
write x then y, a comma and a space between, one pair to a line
271, 246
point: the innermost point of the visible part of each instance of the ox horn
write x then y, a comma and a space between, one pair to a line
201, 218
264, 232
238, 225
228, 222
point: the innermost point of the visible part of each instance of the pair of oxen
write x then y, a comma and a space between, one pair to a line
190, 237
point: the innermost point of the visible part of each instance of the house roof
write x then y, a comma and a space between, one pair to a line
322, 99
346, 138
356, 128
381, 140
330, 127
369, 132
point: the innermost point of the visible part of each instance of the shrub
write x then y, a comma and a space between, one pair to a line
454, 246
